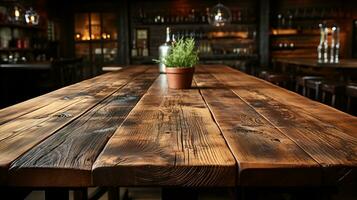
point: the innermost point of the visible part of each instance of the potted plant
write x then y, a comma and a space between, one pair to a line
180, 63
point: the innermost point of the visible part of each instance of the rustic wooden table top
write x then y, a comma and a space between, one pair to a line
126, 128
308, 62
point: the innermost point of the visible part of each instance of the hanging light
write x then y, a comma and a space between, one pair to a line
220, 15
31, 17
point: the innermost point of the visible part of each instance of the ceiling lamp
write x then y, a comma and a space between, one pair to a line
220, 15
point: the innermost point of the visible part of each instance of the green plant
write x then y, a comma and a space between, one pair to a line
182, 54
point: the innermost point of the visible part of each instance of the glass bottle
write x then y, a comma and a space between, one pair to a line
164, 50
325, 44
335, 45
322, 47
145, 49
134, 51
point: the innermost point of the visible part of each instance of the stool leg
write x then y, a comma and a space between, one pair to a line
348, 104
317, 91
297, 88
333, 100
113, 193
323, 97
304, 91
80, 194
57, 193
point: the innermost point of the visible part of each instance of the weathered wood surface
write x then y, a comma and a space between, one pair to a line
127, 128
21, 132
72, 150
169, 139
332, 145
69, 92
262, 151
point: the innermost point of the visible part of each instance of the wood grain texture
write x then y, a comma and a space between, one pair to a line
21, 134
332, 146
263, 153
71, 151
169, 139
12, 112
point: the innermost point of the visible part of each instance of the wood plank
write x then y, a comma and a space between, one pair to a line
20, 135
325, 113
12, 112
71, 151
263, 153
332, 147
169, 139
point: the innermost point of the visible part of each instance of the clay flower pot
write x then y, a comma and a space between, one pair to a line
179, 78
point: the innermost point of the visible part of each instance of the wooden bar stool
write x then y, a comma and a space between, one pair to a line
313, 84
351, 92
301, 82
264, 73
335, 89
278, 79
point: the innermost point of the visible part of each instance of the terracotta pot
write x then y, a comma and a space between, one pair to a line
179, 78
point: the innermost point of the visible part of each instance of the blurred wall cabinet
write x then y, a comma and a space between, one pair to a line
96, 39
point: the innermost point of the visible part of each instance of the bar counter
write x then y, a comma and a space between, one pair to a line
308, 62
126, 128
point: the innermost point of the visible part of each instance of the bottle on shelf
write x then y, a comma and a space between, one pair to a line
134, 51
145, 49
164, 50
322, 48
335, 45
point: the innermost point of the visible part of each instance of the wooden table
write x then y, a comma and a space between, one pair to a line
126, 128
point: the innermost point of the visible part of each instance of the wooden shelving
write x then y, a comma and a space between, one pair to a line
22, 26
190, 20
299, 26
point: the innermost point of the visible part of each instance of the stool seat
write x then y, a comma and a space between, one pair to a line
301, 81
313, 83
336, 89
277, 78
351, 90
264, 73
333, 87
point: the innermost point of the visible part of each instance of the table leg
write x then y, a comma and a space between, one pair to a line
80, 194
113, 193
98, 193
57, 194
179, 193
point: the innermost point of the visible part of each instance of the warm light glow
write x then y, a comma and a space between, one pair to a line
17, 13
284, 31
78, 36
